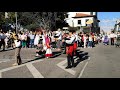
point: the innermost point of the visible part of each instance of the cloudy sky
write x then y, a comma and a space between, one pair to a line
108, 19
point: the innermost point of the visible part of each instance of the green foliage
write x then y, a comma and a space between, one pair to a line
30, 20
32, 27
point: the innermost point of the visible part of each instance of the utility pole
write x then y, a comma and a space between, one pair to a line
16, 22
6, 20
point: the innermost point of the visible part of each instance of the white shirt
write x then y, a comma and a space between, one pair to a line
17, 44
90, 38
37, 38
71, 41
23, 37
112, 35
58, 33
7, 34
31, 36
36, 41
76, 37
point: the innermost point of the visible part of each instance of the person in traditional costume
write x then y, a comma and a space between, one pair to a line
70, 49
75, 43
48, 53
38, 42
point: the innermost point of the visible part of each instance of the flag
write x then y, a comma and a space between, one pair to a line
6, 15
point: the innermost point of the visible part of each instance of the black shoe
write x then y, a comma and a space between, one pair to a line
3, 50
68, 67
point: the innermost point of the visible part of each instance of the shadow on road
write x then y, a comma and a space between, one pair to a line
55, 54
81, 55
6, 50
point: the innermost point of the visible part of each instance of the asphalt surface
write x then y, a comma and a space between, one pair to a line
98, 62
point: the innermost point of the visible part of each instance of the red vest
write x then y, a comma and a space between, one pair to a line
69, 50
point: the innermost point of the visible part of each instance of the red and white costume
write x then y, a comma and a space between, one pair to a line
70, 45
48, 50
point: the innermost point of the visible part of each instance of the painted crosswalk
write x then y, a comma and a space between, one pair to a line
63, 67
29, 65
34, 71
83, 69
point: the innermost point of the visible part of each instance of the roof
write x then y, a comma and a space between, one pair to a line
80, 15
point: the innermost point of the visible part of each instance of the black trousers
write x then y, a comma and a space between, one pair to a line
112, 41
0, 44
64, 47
19, 61
70, 60
3, 43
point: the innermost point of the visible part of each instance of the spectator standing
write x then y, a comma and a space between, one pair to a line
58, 39
24, 39
18, 47
112, 37
90, 42
3, 36
32, 36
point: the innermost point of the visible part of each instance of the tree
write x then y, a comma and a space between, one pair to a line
46, 20
30, 20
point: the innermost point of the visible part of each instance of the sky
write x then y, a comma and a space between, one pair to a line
108, 20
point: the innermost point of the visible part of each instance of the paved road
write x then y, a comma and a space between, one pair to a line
104, 63
99, 62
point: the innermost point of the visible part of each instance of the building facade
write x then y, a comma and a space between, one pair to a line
117, 26
83, 19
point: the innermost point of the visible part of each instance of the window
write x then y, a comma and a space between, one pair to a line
79, 21
86, 21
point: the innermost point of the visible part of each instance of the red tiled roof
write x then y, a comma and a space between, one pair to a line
82, 15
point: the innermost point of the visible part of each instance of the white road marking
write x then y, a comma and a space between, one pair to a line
81, 73
34, 71
7, 60
10, 68
63, 67
13, 67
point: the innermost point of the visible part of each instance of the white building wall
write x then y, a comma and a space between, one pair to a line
83, 21
73, 22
